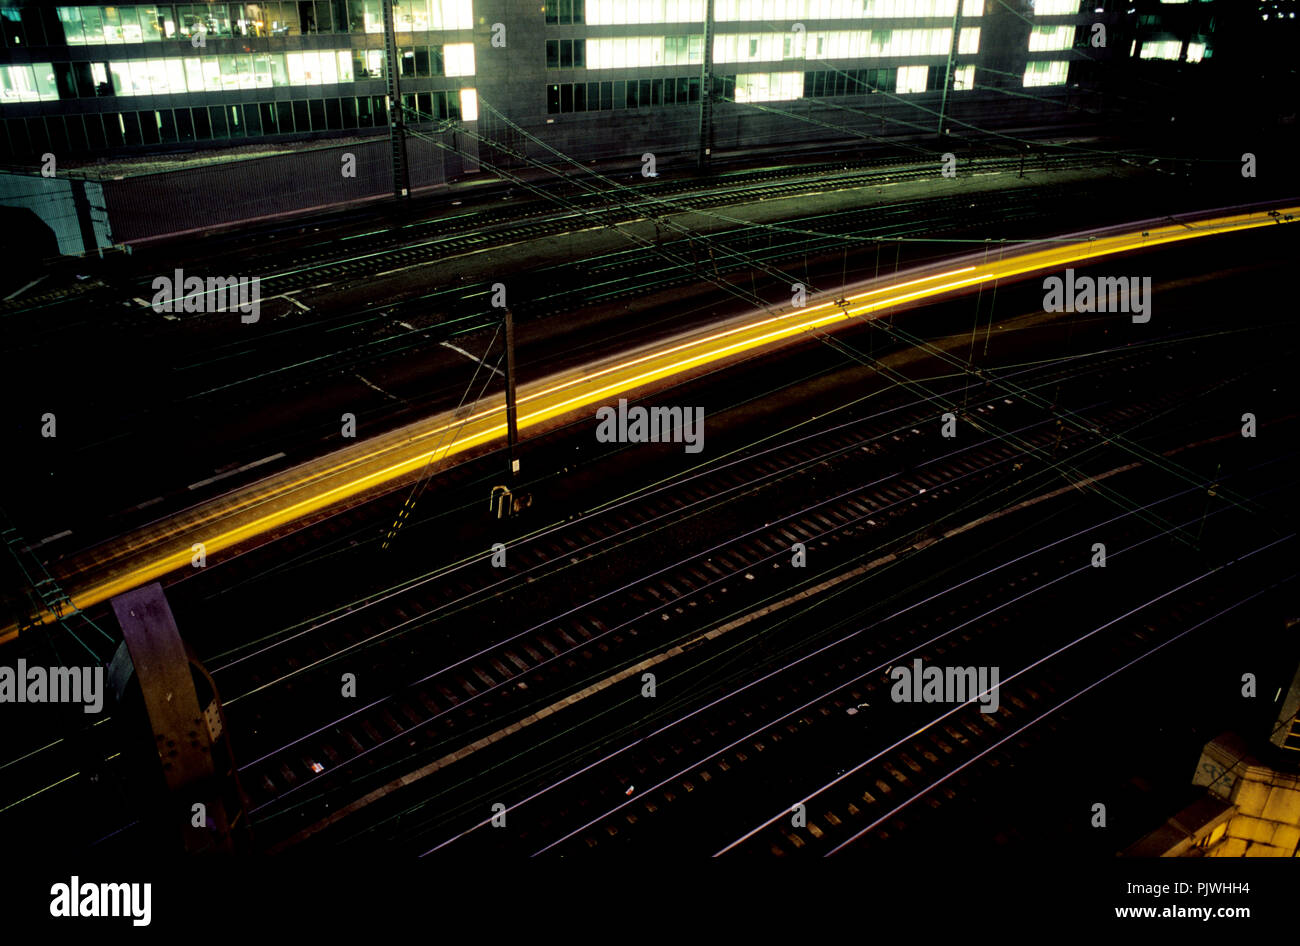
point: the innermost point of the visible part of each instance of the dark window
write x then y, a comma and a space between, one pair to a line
579, 11
317, 107
424, 105
620, 94
593, 96
149, 128
630, 98
643, 99
65, 80
330, 17
252, 121
606, 96
284, 117
40, 137
365, 114
184, 125
268, 118
58, 134
114, 129
235, 122
219, 126
580, 97
349, 106
566, 11
76, 134
566, 97
656, 91
437, 67
13, 30
422, 61
333, 114
95, 139
552, 11
32, 25
407, 57
85, 84
579, 53
22, 142
552, 100
301, 120
552, 54
566, 54
202, 126
166, 125
380, 106
356, 17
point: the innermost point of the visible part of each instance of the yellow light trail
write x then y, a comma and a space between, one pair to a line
226, 521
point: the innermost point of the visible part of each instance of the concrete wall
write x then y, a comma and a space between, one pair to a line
74, 210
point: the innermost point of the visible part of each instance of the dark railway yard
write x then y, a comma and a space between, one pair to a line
523, 686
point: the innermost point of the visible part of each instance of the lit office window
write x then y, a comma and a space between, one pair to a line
969, 41
28, 83
1165, 49
619, 12
1046, 73
732, 11
1195, 52
217, 73
837, 44
469, 105
769, 87
912, 78
1050, 37
963, 78
636, 51
458, 59
1055, 7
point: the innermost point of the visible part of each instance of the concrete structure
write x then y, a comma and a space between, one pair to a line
594, 78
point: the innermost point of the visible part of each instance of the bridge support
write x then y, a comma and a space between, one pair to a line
200, 802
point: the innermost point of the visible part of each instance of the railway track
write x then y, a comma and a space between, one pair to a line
729, 750
586, 643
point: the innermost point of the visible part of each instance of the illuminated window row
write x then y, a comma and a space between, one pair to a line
1054, 72
1054, 7
633, 93
633, 12
153, 23
778, 10
631, 52
107, 131
1164, 49
45, 82
768, 87
840, 44
1171, 49
1050, 37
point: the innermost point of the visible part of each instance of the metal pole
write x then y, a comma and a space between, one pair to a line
396, 125
706, 90
952, 56
512, 428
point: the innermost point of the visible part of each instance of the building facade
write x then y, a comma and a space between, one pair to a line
590, 78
